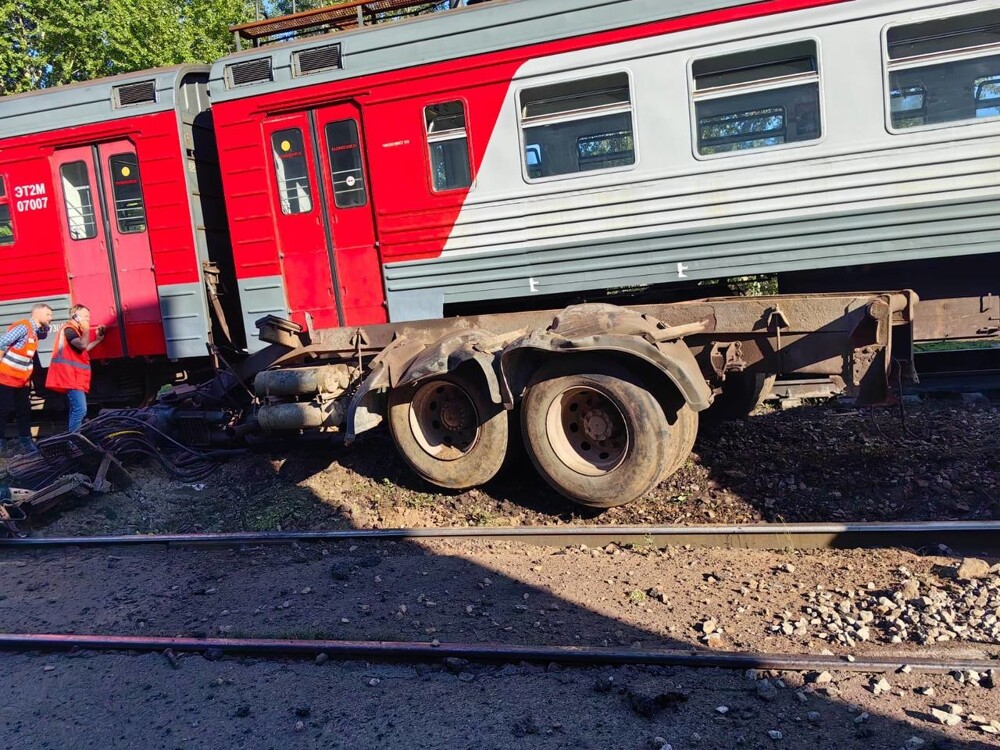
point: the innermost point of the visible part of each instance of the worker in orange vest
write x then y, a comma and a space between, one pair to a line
17, 361
69, 371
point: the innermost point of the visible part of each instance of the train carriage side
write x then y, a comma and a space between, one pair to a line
648, 151
109, 201
348, 158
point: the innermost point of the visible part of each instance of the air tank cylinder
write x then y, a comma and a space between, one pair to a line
330, 380
300, 416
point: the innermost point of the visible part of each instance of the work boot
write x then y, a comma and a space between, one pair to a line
29, 445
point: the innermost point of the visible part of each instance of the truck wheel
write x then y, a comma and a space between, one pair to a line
448, 431
597, 436
686, 431
742, 392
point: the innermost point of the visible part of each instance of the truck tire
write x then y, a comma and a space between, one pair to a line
448, 431
742, 393
595, 433
686, 429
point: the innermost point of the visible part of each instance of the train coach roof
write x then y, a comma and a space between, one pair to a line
435, 37
90, 102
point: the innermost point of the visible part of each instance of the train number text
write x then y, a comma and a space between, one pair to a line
31, 197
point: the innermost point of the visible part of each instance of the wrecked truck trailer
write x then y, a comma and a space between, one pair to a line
605, 399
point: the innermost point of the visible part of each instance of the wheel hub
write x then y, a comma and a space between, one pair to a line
444, 420
456, 414
588, 431
597, 425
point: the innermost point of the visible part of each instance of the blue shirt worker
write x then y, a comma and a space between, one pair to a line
17, 361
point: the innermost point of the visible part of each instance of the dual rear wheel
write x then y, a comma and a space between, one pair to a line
592, 429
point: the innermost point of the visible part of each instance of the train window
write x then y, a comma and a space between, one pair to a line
79, 200
988, 97
908, 106
292, 171
448, 141
346, 164
6, 223
757, 99
945, 70
130, 210
578, 126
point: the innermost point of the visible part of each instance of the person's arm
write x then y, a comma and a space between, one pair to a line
81, 342
97, 339
13, 337
74, 339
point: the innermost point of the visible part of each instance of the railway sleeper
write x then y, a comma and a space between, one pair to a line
605, 399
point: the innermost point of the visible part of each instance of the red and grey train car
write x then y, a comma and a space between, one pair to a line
106, 199
520, 152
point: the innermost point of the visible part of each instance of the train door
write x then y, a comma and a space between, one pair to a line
323, 214
305, 246
131, 252
87, 251
108, 255
349, 213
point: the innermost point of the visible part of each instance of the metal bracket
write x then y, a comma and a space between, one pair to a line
727, 357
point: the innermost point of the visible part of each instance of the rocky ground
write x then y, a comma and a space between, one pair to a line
819, 463
492, 593
119, 701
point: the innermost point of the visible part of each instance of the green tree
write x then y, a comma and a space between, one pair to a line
51, 42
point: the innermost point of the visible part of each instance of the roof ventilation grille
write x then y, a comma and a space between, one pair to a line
317, 60
133, 94
249, 72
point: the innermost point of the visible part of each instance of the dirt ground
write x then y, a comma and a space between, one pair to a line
127, 701
461, 592
817, 463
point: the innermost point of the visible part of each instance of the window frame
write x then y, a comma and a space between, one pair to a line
550, 81
889, 66
362, 166
114, 194
95, 199
5, 200
309, 173
746, 88
428, 143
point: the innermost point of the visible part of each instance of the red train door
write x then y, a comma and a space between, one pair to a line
349, 213
304, 243
131, 252
108, 254
323, 213
87, 252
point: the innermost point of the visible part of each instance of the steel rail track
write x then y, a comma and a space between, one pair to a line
979, 536
421, 651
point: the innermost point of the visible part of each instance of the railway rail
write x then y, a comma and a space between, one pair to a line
436, 651
979, 536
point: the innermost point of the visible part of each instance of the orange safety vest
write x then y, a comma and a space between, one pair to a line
70, 368
18, 361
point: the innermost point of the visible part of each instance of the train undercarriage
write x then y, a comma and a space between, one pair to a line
606, 399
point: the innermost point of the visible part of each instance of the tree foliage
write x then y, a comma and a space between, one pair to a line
51, 42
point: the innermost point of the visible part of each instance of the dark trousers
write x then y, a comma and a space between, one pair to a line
16, 400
